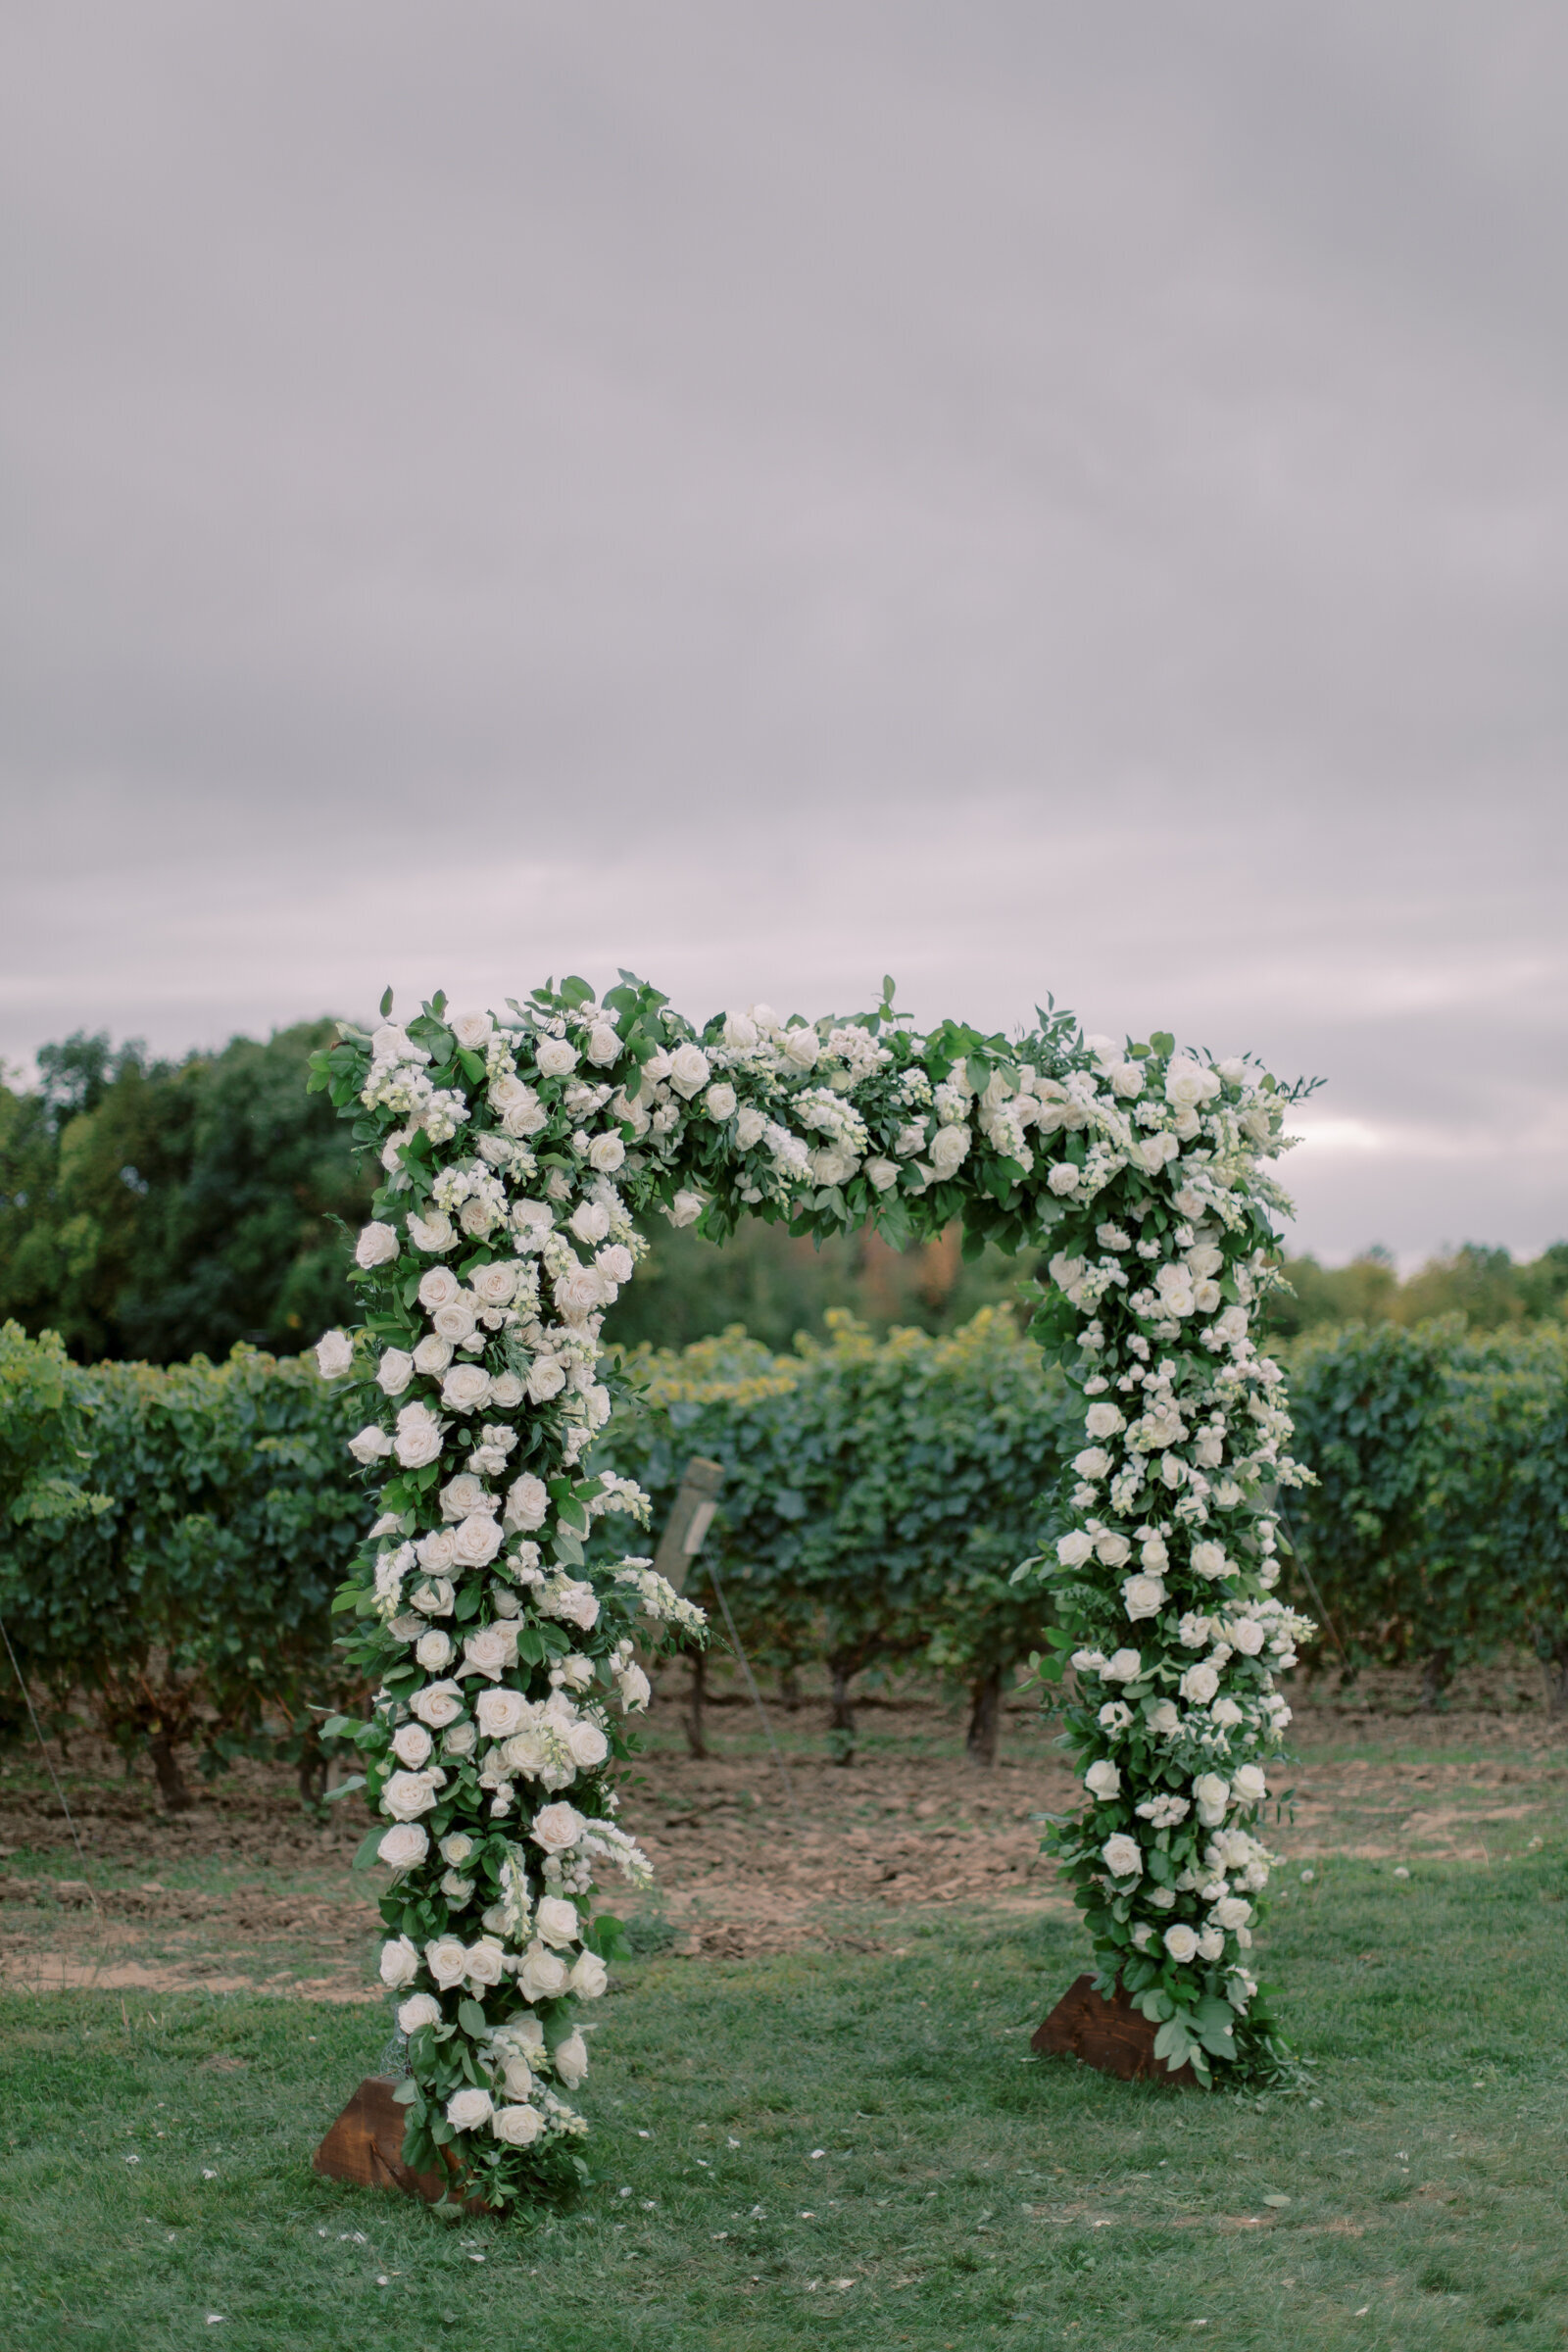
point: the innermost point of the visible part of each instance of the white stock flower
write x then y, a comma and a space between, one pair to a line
1102, 1780
377, 1245
404, 1846
1122, 1857
334, 1354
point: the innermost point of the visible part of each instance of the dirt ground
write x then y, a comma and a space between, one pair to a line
753, 1853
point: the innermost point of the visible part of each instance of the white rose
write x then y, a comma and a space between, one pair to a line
473, 1030
501, 1713
524, 1117
1102, 1780
1123, 1858
950, 1149
589, 1977
606, 1153
547, 1377
689, 1070
506, 1391
516, 2127
571, 2060
556, 1826
370, 1444
580, 1294
1212, 1795
1126, 1079
469, 2109
527, 1504
1250, 1784
616, 1263
465, 1389
412, 1745
720, 1102
438, 1704
431, 1234
418, 1437
1164, 1719
460, 1496
1113, 1549
1124, 1667
486, 1964
395, 1372
334, 1354
407, 1794
1231, 1911
604, 1044
475, 1540
740, 1032
801, 1045
456, 1320
750, 1126
400, 1964
1181, 1942
496, 1283
377, 1245
557, 1920
434, 1650
686, 1209
432, 1355
1208, 1560
1072, 1550
1063, 1177
490, 1650
555, 1056
404, 1846
590, 1221
455, 1849
1144, 1595
882, 1174
1104, 1420
1155, 1150
634, 1689
517, 2075
541, 1974
587, 1746
1093, 1462
422, 2010
1226, 1713
1248, 1637
1198, 1683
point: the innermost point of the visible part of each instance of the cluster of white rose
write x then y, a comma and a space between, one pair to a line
515, 1151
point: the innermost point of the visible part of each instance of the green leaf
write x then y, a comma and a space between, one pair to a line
386, 1001
472, 2017
345, 1787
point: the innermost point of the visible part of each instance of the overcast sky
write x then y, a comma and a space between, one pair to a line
1027, 497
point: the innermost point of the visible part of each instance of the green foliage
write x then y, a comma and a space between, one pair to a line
190, 1593
1439, 1526
879, 1495
155, 1209
1483, 1285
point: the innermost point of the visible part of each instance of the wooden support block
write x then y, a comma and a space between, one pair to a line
1111, 2035
364, 2147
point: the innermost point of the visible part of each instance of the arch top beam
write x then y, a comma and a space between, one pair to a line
518, 1149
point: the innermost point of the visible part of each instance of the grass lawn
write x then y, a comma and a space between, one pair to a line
848, 2149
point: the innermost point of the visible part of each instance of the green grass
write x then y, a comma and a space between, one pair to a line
1429, 2185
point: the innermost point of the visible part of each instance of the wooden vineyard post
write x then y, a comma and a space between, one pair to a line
1111, 2035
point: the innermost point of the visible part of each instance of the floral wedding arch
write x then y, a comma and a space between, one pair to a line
518, 1148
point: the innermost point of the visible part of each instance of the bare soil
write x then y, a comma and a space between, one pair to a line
247, 1891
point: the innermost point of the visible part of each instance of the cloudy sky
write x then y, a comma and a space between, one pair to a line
1025, 497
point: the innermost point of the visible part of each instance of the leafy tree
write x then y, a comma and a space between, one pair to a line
1483, 1285
158, 1211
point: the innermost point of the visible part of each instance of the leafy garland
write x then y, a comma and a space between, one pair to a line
516, 1150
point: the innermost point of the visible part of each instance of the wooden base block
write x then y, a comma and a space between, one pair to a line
1112, 2034
364, 2147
